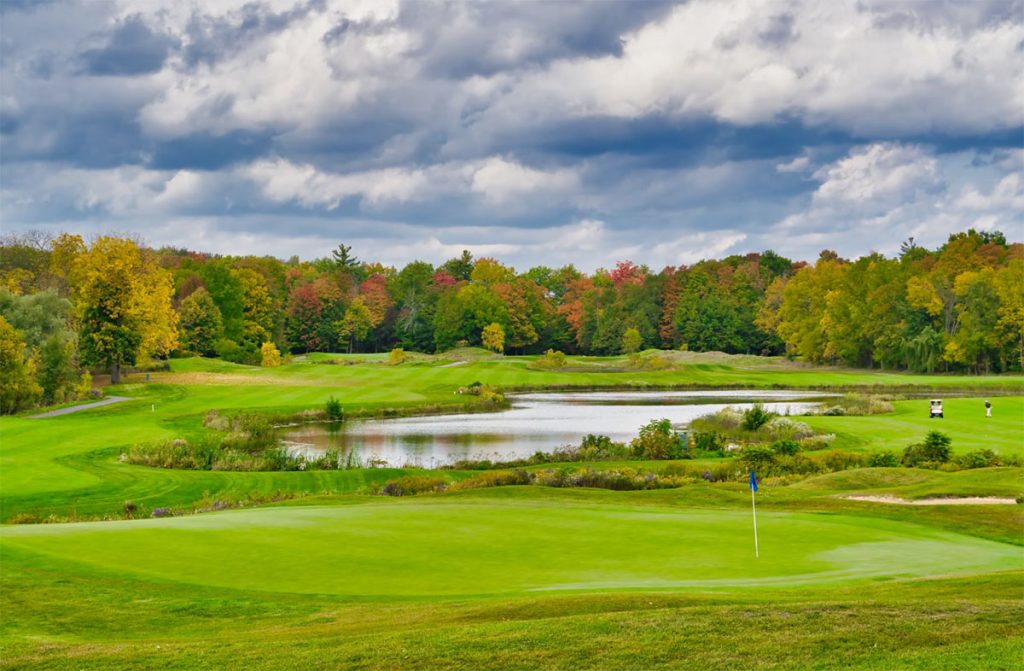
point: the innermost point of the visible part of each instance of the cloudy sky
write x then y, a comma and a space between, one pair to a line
536, 132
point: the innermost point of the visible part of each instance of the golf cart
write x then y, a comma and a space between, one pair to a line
935, 410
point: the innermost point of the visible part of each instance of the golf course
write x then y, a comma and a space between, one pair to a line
112, 564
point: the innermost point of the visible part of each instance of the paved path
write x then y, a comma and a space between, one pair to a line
453, 364
78, 408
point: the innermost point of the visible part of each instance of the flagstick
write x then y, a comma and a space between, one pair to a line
753, 508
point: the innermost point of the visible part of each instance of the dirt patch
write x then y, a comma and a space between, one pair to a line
938, 501
236, 379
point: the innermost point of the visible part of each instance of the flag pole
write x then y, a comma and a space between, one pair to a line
753, 508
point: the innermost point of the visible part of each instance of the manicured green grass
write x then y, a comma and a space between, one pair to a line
566, 580
507, 578
451, 547
964, 422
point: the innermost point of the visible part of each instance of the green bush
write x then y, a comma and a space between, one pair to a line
658, 440
936, 449
884, 460
979, 459
757, 457
755, 417
333, 409
229, 350
708, 441
786, 447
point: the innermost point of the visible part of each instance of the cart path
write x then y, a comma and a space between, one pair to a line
79, 408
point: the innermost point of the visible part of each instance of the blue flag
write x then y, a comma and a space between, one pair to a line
753, 482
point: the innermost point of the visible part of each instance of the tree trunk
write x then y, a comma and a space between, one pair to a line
115, 374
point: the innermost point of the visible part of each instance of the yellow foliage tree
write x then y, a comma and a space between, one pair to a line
493, 337
270, 357
124, 301
64, 252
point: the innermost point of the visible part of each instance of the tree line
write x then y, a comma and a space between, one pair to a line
68, 307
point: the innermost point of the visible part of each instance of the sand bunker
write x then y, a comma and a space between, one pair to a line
938, 501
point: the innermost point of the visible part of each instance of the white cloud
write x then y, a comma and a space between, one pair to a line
877, 176
880, 194
501, 181
798, 164
838, 65
496, 180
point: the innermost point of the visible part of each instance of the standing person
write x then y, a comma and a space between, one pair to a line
988, 408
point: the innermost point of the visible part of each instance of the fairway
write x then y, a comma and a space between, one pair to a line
453, 548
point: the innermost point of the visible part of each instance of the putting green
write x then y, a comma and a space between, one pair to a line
481, 546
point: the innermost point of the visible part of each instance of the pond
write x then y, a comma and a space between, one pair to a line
536, 422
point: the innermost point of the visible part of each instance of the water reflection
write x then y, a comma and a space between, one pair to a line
536, 422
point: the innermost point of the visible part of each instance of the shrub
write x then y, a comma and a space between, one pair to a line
23, 518
551, 360
757, 457
270, 357
884, 460
250, 433
726, 420
84, 387
786, 447
228, 350
934, 450
396, 357
817, 442
410, 485
708, 441
495, 479
755, 417
840, 460
657, 440
594, 448
333, 409
784, 428
979, 459
214, 420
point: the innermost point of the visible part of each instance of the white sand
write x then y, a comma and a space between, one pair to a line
952, 501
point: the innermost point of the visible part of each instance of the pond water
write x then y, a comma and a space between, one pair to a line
536, 422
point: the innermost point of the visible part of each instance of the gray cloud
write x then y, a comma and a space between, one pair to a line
653, 129
131, 49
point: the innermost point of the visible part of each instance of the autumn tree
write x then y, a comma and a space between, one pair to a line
64, 251
200, 323
493, 338
356, 323
1009, 286
18, 387
124, 300
258, 309
304, 316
